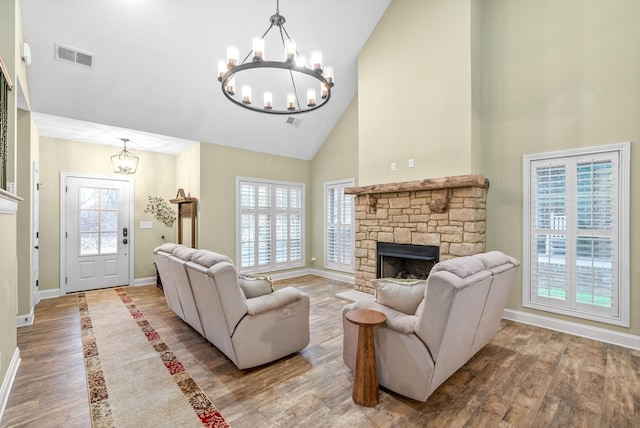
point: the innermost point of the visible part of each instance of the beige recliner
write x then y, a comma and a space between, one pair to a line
460, 312
252, 326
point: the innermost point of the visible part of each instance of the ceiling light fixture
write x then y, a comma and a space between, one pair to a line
277, 80
124, 162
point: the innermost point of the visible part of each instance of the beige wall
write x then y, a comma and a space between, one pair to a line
220, 165
479, 84
414, 82
337, 159
9, 34
156, 176
557, 75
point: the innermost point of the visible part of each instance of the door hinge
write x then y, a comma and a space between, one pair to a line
37, 186
65, 279
37, 234
66, 189
65, 235
37, 283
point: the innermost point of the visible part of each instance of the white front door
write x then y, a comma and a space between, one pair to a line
97, 232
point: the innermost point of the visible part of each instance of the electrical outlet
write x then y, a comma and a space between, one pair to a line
393, 166
410, 163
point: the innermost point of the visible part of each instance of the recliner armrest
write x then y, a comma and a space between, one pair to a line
396, 320
275, 300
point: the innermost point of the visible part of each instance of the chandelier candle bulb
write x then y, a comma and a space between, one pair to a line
291, 101
324, 91
222, 69
311, 97
268, 100
231, 85
232, 56
316, 61
328, 74
246, 94
258, 49
289, 50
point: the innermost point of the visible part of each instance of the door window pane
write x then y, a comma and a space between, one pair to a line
98, 221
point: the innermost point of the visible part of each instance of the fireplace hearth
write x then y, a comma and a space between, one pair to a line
405, 261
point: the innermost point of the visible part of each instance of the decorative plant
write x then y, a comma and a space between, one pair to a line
161, 210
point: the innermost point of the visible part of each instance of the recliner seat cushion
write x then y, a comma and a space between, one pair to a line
255, 286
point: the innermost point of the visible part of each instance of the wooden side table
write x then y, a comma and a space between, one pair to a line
365, 377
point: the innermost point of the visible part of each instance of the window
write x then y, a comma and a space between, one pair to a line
339, 233
576, 229
270, 225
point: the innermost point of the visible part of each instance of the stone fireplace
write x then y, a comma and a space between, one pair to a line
445, 213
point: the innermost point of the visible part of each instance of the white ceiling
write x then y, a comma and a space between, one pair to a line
154, 76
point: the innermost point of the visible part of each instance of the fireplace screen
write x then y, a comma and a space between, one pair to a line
405, 261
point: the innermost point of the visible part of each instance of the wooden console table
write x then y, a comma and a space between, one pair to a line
365, 377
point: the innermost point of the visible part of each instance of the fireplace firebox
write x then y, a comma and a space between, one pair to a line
406, 261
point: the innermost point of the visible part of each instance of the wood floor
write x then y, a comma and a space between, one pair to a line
526, 377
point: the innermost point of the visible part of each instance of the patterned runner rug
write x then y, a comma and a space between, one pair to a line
134, 379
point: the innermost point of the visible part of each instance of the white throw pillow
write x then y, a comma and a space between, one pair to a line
254, 286
403, 295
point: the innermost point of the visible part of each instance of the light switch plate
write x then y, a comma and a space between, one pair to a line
146, 225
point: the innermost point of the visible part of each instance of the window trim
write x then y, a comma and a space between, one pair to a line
273, 266
347, 182
623, 151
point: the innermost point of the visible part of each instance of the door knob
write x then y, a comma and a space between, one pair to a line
125, 241
37, 247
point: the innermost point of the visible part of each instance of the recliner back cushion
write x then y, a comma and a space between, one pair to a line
461, 267
208, 258
184, 253
167, 247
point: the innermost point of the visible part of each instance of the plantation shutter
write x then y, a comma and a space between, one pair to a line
339, 209
574, 238
270, 225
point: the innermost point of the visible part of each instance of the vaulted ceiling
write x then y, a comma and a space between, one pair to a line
154, 74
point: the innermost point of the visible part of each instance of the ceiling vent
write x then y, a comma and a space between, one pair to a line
292, 121
76, 56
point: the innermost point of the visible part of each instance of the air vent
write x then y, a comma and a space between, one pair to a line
293, 121
76, 56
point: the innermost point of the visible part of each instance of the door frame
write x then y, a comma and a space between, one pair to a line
35, 237
63, 215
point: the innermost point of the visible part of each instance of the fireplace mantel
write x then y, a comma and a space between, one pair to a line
453, 182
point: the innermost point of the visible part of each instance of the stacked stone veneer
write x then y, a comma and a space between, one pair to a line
437, 213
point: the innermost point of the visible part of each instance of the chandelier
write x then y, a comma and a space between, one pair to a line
278, 81
124, 162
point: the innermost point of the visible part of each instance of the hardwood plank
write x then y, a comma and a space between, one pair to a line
525, 377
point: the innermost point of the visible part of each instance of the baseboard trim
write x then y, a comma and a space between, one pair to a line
25, 319
49, 294
7, 382
150, 280
589, 332
288, 275
336, 276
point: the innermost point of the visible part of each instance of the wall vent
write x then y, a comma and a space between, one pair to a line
76, 56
